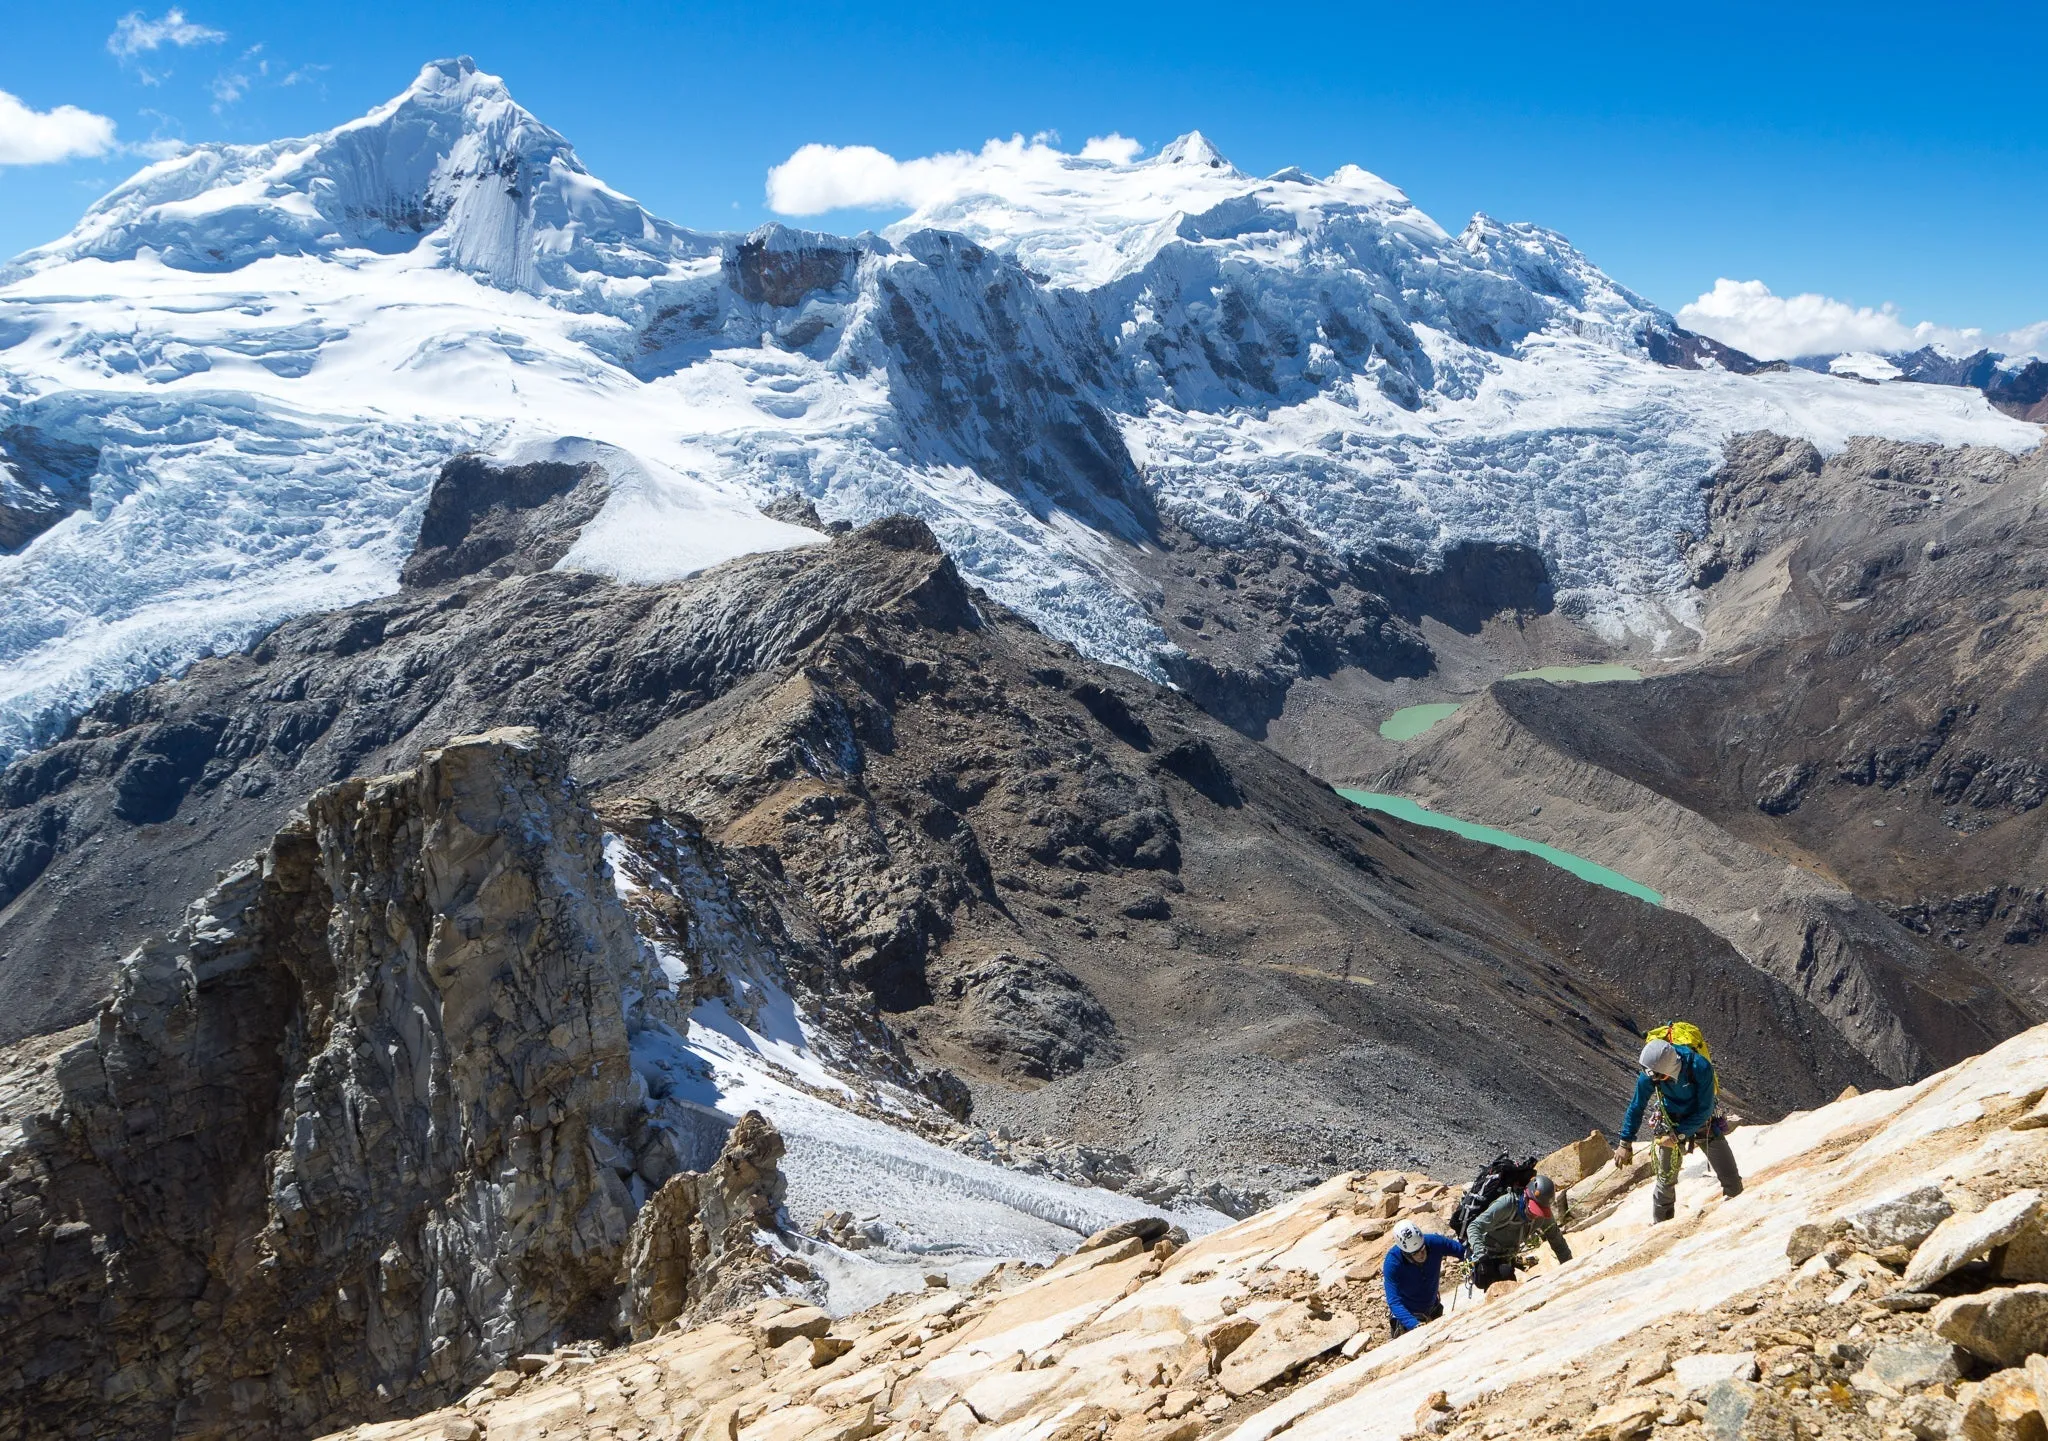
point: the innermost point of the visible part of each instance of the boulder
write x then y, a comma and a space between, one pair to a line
2025, 1256
1647, 1368
2001, 1327
1930, 1417
1908, 1366
1805, 1242
1902, 1220
1572, 1163
827, 1349
1744, 1411
1221, 1339
785, 1326
1628, 1419
2036, 1117
1965, 1238
1696, 1374
2001, 1407
1435, 1415
1145, 1229
1288, 1338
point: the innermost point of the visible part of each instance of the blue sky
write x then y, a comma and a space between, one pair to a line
1873, 153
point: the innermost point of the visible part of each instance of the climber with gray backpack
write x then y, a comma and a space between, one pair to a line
1677, 1067
1495, 1237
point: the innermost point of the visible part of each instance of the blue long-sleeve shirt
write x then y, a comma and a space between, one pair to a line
1688, 1097
1412, 1285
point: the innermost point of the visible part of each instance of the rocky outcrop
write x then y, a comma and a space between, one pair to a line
43, 478
361, 1129
502, 518
692, 1251
1705, 1327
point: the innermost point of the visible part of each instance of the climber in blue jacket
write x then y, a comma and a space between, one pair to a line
1412, 1275
1682, 1080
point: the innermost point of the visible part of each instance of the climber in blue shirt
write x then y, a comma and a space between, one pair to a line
1688, 1114
1412, 1275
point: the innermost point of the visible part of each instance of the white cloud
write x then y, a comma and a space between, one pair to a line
230, 85
1746, 315
1119, 148
818, 178
42, 137
134, 35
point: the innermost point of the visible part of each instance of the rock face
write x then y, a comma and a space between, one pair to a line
360, 1130
1846, 782
1904, 1220
2003, 1327
42, 479
692, 1250
502, 518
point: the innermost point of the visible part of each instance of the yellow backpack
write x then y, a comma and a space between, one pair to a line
1682, 1033
1685, 1033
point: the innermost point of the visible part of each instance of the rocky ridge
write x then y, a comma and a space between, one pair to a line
368, 1122
1879, 1279
1037, 869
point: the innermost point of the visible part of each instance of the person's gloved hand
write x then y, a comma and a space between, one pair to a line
1523, 1263
1625, 1154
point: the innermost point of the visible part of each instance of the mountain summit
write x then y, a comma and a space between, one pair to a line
452, 161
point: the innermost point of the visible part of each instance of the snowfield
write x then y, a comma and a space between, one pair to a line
264, 353
927, 1208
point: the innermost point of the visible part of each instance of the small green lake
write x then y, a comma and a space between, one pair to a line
1577, 674
1401, 808
1411, 721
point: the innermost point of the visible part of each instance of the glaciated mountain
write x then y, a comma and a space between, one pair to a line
2016, 384
223, 396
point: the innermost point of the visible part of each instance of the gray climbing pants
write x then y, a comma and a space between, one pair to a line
1671, 1155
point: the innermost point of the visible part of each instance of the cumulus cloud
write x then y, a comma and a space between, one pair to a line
1119, 148
1746, 315
818, 178
42, 137
136, 35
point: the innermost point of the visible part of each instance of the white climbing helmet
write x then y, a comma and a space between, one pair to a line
1408, 1236
1660, 1059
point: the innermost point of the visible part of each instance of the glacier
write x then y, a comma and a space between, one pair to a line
252, 360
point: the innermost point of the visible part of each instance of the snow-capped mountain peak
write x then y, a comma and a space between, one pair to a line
453, 158
1194, 148
224, 394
